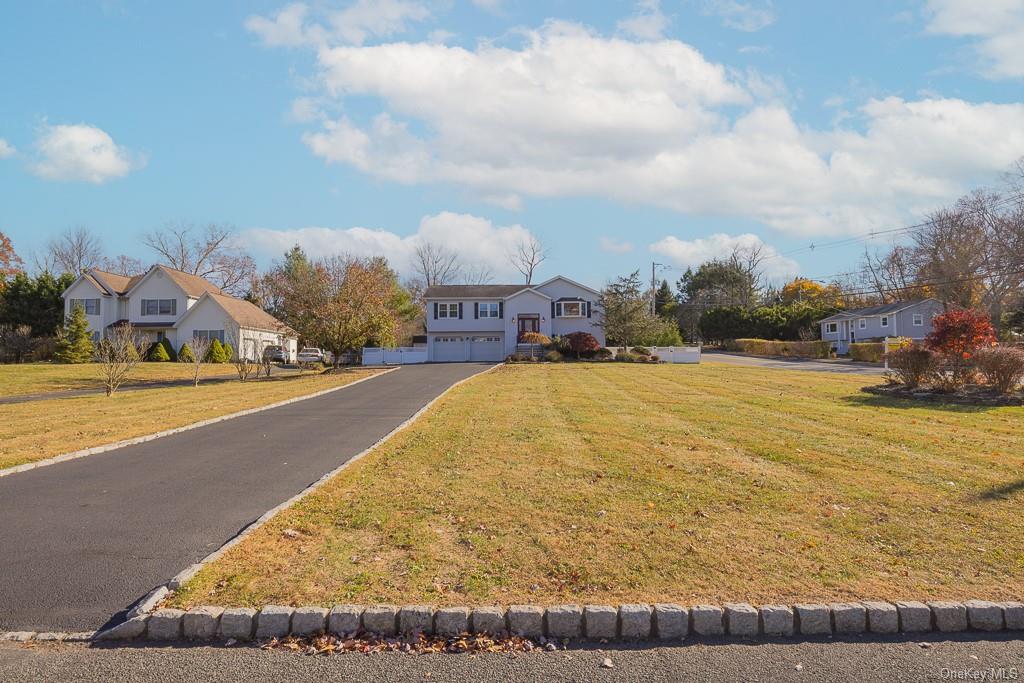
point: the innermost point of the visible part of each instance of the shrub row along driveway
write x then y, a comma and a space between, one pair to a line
83, 539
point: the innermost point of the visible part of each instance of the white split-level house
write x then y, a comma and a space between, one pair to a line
164, 303
484, 322
910, 319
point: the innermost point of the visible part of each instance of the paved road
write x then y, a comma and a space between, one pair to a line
850, 660
83, 539
845, 367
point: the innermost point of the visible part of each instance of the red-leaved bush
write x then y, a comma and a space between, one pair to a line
1002, 367
957, 335
582, 343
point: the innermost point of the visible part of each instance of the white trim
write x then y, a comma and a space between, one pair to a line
883, 319
78, 279
528, 289
571, 282
914, 320
168, 432
862, 323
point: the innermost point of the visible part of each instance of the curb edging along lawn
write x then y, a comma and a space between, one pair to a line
634, 622
16, 469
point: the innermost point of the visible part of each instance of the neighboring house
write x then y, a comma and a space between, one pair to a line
911, 319
164, 303
485, 322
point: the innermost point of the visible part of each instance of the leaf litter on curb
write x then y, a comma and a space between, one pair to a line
422, 644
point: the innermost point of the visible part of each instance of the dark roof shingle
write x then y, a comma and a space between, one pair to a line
471, 291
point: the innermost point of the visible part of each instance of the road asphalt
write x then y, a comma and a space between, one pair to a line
84, 539
840, 366
944, 658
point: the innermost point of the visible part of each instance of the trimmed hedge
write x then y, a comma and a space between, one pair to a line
792, 349
162, 352
868, 352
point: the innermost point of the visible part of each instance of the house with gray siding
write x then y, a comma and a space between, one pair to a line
485, 322
910, 319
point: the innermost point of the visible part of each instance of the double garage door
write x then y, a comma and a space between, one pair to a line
467, 348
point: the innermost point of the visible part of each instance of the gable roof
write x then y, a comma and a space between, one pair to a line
871, 311
112, 282
472, 291
193, 285
242, 312
565, 279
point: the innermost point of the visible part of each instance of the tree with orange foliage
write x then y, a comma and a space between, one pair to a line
957, 335
10, 263
811, 291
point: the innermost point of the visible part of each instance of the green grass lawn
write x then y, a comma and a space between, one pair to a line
42, 429
620, 483
38, 378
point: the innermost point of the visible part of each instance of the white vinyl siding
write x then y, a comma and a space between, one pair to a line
159, 307
209, 334
831, 328
90, 306
862, 323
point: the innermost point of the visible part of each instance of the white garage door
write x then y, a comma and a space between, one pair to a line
486, 348
449, 349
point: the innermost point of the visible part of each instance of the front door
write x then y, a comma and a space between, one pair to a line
528, 324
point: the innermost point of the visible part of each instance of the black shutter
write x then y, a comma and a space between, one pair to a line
588, 309
460, 310
501, 310
476, 310
435, 310
552, 309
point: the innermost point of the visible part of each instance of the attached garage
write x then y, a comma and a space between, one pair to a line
486, 349
449, 350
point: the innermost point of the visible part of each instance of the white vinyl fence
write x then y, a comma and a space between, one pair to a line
677, 354
404, 355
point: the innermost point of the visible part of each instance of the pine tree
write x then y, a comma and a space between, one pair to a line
185, 354
74, 341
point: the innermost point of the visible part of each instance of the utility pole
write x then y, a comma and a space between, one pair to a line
654, 286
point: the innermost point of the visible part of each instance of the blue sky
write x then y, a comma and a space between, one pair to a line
617, 132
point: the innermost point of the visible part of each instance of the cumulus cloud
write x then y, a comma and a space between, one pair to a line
477, 240
742, 16
296, 25
996, 25
81, 152
6, 149
649, 22
614, 246
569, 112
692, 253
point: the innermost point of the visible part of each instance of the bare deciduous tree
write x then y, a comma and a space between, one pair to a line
527, 256
16, 342
212, 253
200, 346
122, 264
246, 355
117, 354
435, 264
74, 251
477, 274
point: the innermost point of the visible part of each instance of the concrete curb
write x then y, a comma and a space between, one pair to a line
634, 622
74, 455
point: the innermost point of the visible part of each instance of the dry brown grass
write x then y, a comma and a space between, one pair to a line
611, 483
42, 429
39, 378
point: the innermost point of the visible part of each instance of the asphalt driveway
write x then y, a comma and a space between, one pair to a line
840, 366
84, 539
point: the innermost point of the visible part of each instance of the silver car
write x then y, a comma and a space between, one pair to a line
310, 354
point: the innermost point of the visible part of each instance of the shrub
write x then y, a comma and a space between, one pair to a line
158, 353
1001, 366
793, 349
535, 338
519, 357
913, 365
553, 356
625, 357
74, 342
185, 354
603, 353
641, 351
583, 344
561, 344
215, 354
655, 358
867, 352
229, 353
16, 342
957, 335
44, 348
661, 332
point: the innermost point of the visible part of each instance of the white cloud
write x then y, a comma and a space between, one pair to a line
489, 5
569, 112
81, 152
742, 16
614, 246
649, 22
476, 239
997, 25
6, 149
295, 25
692, 253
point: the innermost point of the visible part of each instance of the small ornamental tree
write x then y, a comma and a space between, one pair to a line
74, 342
116, 356
957, 335
582, 343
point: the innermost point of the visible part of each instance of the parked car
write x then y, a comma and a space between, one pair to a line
310, 354
275, 354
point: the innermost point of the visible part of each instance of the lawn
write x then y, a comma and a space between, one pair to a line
42, 429
621, 483
38, 378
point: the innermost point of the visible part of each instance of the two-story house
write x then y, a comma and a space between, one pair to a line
485, 322
910, 319
164, 303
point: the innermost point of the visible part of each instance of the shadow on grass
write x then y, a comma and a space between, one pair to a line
874, 401
1002, 492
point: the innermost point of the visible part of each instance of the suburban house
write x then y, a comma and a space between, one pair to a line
910, 319
485, 322
164, 303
